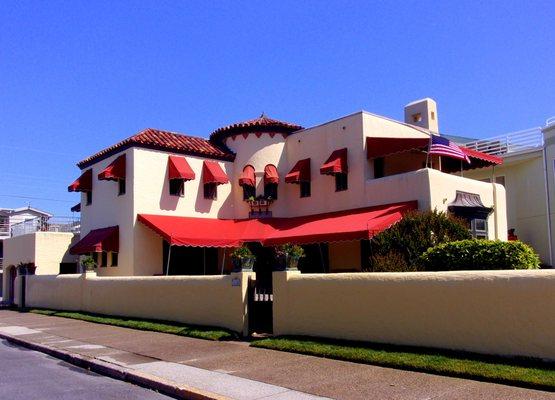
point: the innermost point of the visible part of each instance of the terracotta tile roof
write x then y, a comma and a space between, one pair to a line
163, 140
260, 124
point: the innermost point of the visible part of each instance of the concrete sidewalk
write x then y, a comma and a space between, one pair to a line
235, 370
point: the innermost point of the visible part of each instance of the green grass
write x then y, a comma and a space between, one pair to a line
174, 328
524, 372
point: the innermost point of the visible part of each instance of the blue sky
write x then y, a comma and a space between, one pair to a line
77, 76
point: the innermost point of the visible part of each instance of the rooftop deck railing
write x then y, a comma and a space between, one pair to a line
528, 139
53, 224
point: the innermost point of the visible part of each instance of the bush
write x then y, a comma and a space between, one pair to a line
477, 254
399, 248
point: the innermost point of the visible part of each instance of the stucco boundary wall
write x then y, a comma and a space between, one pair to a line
219, 300
509, 313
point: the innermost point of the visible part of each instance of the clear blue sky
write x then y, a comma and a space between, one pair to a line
77, 76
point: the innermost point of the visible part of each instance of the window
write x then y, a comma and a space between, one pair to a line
104, 259
177, 187
416, 117
341, 182
305, 189
89, 198
479, 228
210, 191
433, 116
379, 167
121, 187
114, 262
248, 191
271, 190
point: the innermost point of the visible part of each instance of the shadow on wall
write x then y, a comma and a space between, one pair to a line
167, 201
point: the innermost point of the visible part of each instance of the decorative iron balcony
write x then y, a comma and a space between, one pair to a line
528, 139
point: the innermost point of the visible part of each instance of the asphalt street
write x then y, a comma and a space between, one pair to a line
27, 374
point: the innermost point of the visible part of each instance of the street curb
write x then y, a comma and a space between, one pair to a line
118, 372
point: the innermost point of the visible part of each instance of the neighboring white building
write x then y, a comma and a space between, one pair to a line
527, 175
329, 187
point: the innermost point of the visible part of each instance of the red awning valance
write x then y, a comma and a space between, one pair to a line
213, 173
98, 240
336, 163
179, 168
354, 224
83, 183
384, 146
478, 155
300, 172
115, 171
270, 174
247, 177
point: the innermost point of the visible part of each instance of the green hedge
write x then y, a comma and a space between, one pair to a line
475, 254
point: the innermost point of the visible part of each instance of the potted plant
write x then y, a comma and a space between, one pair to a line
288, 256
242, 259
87, 263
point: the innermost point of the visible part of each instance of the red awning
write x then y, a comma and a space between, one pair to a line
270, 174
478, 155
83, 183
98, 240
354, 224
213, 173
336, 163
247, 177
115, 171
179, 168
384, 146
300, 172
76, 208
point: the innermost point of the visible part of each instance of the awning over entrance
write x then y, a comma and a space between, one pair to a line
98, 240
213, 173
469, 205
300, 172
336, 163
83, 183
179, 168
270, 174
115, 171
354, 224
247, 177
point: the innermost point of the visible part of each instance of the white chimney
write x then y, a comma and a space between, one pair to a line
422, 113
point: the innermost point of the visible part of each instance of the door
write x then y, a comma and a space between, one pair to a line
260, 293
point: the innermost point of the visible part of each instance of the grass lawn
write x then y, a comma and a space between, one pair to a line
175, 328
520, 372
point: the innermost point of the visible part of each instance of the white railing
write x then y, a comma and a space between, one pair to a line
550, 121
53, 224
510, 143
4, 229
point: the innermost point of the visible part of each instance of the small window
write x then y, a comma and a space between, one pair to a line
177, 187
500, 180
479, 228
89, 198
433, 116
104, 259
114, 262
416, 117
379, 167
271, 191
341, 182
305, 189
210, 191
248, 192
121, 187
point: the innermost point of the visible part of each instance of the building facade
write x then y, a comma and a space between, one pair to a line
166, 203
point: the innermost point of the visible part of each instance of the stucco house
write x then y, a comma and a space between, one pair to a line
161, 202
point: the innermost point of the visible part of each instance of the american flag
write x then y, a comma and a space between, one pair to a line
443, 147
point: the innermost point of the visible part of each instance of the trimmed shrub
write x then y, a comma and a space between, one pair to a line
399, 248
476, 254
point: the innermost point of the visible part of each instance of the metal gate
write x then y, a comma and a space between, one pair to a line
260, 305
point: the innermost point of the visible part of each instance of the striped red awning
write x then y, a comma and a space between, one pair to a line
270, 174
300, 172
179, 168
336, 163
115, 171
247, 177
83, 183
213, 173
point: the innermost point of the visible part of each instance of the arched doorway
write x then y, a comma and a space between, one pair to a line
10, 277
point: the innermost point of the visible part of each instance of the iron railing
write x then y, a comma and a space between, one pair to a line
528, 139
52, 224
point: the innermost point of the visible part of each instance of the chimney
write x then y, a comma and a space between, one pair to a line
422, 113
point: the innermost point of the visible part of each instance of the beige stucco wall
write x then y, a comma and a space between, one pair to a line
525, 196
492, 312
549, 138
203, 300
